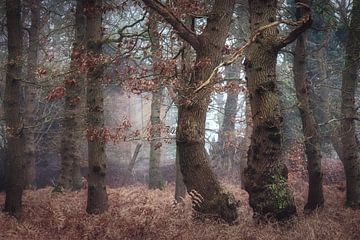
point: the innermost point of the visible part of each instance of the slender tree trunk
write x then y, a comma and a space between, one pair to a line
266, 173
13, 119
247, 141
155, 178
131, 165
310, 129
30, 91
97, 196
73, 123
350, 143
227, 139
180, 189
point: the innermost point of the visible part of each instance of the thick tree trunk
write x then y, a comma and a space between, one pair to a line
14, 124
97, 196
30, 91
190, 135
195, 167
155, 178
350, 143
266, 173
73, 123
310, 129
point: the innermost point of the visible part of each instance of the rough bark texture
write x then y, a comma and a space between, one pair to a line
266, 173
309, 125
194, 162
14, 124
155, 178
30, 98
97, 196
190, 139
73, 123
350, 143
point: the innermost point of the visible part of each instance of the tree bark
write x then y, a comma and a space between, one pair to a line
190, 136
180, 188
13, 120
30, 91
350, 143
194, 163
247, 141
73, 123
266, 173
310, 129
97, 201
227, 139
155, 178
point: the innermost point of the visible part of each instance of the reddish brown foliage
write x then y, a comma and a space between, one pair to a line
138, 213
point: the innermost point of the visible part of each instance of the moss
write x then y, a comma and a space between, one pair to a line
279, 192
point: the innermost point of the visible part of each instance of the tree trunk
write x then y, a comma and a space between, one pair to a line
30, 91
131, 165
247, 141
73, 123
97, 196
180, 189
266, 173
350, 143
190, 136
227, 138
155, 178
310, 129
13, 119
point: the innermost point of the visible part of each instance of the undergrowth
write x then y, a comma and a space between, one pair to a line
138, 213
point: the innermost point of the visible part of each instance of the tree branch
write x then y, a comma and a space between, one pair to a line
183, 31
303, 23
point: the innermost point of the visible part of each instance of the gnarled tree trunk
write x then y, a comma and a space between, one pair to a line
190, 136
266, 173
97, 196
13, 120
350, 143
73, 123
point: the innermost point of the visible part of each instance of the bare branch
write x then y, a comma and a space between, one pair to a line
303, 23
183, 31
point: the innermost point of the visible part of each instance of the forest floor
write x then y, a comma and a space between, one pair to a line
138, 213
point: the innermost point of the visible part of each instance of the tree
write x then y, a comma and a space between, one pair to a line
155, 177
266, 173
73, 124
13, 120
227, 133
190, 136
97, 196
350, 143
30, 91
310, 129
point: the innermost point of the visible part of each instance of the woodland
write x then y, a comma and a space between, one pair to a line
179, 119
